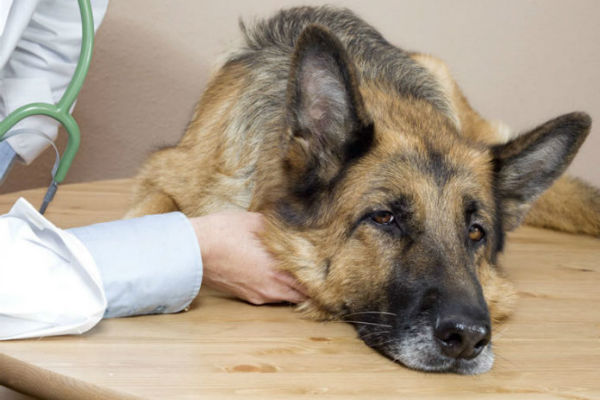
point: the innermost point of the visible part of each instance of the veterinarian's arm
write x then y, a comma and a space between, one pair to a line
148, 265
66, 280
236, 262
155, 264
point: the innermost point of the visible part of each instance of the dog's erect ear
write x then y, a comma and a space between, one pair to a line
527, 165
327, 122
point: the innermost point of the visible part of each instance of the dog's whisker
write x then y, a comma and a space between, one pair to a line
386, 342
396, 358
365, 323
371, 312
375, 333
370, 323
500, 333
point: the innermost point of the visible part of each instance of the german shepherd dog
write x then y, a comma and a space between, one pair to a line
386, 195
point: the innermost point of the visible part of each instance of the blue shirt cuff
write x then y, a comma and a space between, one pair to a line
148, 265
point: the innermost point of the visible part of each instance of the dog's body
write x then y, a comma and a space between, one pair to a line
386, 194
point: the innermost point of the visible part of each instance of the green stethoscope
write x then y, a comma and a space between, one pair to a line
60, 111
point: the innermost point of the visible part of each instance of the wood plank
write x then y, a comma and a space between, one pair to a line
226, 349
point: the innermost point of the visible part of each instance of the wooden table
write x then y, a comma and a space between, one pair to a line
226, 349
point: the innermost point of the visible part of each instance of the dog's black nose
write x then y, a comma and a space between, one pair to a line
462, 337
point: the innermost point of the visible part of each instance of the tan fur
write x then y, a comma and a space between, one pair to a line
207, 171
570, 205
472, 125
500, 294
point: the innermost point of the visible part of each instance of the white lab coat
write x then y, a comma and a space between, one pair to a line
39, 51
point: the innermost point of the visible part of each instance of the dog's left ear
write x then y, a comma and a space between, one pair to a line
526, 166
328, 124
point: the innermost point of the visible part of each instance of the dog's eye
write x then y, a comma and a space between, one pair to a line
383, 217
476, 233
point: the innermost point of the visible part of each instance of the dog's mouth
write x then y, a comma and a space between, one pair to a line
416, 347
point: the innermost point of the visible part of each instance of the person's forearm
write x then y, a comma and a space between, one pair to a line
148, 265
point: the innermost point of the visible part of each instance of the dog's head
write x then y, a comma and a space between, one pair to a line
392, 219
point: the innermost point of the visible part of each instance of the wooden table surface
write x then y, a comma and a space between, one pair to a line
226, 349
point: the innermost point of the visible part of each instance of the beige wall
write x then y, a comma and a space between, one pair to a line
519, 61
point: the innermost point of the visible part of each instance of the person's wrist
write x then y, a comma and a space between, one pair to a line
204, 237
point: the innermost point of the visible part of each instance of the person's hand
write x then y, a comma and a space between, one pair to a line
235, 261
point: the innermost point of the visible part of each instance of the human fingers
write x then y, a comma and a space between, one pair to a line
276, 294
295, 297
288, 279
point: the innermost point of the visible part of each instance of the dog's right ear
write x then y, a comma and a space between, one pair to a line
327, 122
